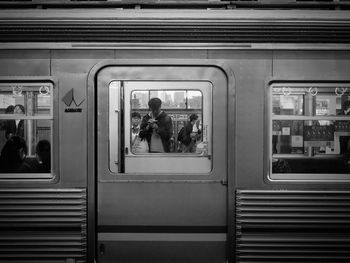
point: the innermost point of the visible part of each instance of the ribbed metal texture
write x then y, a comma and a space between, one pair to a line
292, 226
161, 4
174, 32
42, 225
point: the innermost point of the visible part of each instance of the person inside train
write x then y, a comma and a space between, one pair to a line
344, 141
138, 145
135, 125
13, 154
156, 127
8, 123
15, 127
189, 134
42, 162
43, 155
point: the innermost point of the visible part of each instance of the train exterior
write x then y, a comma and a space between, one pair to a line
265, 177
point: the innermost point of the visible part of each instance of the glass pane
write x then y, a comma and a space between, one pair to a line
287, 137
320, 142
139, 100
178, 124
194, 99
11, 104
287, 105
43, 105
25, 141
170, 99
25, 146
25, 100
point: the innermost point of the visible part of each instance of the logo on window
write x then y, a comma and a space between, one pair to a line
69, 99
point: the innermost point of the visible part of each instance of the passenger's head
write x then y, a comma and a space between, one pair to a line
43, 153
13, 153
193, 117
10, 109
135, 119
346, 105
17, 145
19, 109
155, 105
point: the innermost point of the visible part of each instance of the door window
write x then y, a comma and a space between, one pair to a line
167, 126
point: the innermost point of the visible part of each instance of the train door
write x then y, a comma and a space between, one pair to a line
160, 197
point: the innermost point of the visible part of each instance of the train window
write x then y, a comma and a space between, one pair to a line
310, 131
25, 129
166, 124
179, 125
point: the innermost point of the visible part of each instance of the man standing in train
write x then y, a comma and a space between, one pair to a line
157, 127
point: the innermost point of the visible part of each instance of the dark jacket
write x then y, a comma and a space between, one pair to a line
31, 165
184, 135
165, 129
13, 130
10, 158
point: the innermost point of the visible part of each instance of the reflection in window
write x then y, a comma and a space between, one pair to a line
179, 123
310, 129
25, 128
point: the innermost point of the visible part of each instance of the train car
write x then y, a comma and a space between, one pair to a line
175, 131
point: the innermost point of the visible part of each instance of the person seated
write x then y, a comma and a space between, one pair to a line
12, 155
42, 162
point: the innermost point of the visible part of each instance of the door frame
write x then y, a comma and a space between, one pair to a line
92, 141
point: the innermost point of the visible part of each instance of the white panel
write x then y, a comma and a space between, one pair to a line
114, 112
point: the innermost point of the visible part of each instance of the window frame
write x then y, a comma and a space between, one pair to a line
28, 178
298, 177
223, 82
126, 113
167, 111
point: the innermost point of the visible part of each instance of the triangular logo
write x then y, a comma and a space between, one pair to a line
69, 98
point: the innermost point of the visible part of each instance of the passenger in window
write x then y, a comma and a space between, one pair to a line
344, 141
41, 163
12, 155
16, 127
189, 135
43, 153
8, 123
135, 125
156, 127
138, 145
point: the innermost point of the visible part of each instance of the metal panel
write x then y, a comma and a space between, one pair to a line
161, 29
161, 4
170, 204
71, 68
292, 226
316, 65
42, 225
25, 63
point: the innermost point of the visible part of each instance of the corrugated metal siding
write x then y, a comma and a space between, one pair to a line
292, 226
223, 4
42, 225
174, 32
